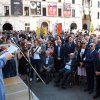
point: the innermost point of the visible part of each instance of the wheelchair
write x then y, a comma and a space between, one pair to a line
70, 80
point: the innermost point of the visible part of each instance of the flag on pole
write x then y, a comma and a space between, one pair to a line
92, 29
38, 31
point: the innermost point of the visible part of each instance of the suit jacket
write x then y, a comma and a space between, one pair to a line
61, 52
69, 48
98, 64
80, 59
73, 64
50, 62
91, 58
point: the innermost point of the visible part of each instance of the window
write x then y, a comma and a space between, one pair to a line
73, 1
59, 11
6, 10
73, 12
98, 3
26, 11
98, 15
59, 0
27, 26
44, 11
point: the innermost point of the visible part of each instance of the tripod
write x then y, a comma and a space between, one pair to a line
29, 69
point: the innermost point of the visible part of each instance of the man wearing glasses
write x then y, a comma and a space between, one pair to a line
90, 61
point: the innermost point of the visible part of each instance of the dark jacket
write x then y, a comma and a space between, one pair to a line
50, 62
69, 49
91, 58
61, 52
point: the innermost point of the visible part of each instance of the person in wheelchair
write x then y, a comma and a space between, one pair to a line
48, 67
63, 74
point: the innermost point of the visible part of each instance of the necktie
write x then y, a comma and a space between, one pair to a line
58, 51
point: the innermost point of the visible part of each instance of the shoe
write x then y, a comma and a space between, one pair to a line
37, 79
90, 92
95, 96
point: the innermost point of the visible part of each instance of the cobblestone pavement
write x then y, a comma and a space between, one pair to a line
50, 92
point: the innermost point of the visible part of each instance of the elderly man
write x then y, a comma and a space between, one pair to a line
70, 66
2, 64
48, 66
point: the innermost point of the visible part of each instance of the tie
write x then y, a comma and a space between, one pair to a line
58, 51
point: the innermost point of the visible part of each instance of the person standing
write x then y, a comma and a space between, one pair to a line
97, 72
90, 61
59, 56
2, 64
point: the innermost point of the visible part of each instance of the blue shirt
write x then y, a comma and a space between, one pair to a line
2, 89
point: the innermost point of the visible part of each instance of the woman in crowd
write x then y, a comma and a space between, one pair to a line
36, 59
23, 64
81, 63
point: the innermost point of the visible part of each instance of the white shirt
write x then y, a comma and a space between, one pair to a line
36, 54
68, 65
82, 52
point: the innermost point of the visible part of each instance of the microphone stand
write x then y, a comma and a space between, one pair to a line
29, 73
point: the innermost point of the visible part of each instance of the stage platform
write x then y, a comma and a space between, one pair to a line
16, 89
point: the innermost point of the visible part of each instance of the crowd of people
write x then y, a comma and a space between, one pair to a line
56, 56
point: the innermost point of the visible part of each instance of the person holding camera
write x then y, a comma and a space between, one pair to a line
36, 59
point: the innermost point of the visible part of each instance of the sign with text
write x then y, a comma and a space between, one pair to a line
52, 9
35, 7
66, 9
16, 7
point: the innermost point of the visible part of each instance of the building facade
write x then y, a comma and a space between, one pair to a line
91, 14
31, 14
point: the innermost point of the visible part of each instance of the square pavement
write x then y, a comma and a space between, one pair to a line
50, 92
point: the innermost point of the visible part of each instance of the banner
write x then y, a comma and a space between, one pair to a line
91, 29
16, 7
45, 31
67, 9
59, 28
38, 31
35, 7
52, 9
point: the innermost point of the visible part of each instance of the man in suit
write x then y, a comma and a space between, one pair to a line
2, 64
90, 61
97, 72
70, 66
48, 66
59, 55
69, 47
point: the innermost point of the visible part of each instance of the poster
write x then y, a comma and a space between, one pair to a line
35, 7
52, 9
66, 9
16, 7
